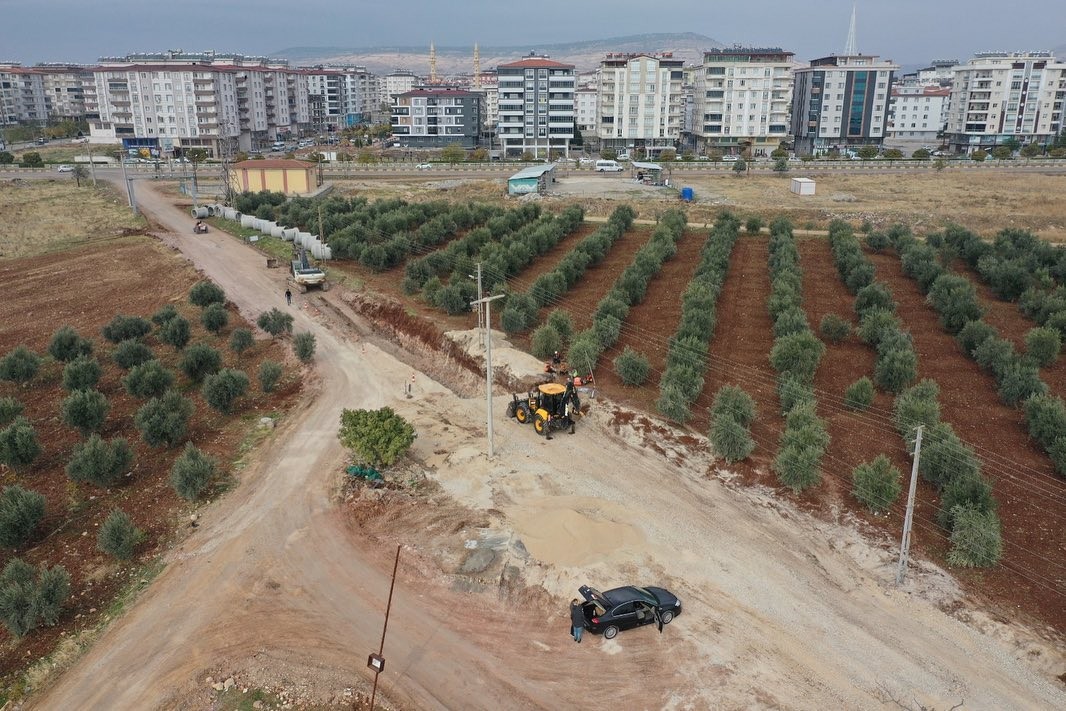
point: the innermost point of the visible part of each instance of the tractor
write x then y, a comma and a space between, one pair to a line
551, 406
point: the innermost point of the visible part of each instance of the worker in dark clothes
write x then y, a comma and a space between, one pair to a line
577, 620
288, 297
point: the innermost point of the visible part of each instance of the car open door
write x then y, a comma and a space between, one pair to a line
658, 618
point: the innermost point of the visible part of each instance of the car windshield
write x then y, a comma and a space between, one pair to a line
647, 595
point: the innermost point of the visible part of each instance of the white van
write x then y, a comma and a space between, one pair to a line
608, 166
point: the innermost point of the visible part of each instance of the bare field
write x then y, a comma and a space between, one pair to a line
40, 217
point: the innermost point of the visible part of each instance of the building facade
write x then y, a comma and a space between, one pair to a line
536, 107
918, 113
432, 117
840, 102
586, 111
998, 96
640, 102
396, 83
22, 95
742, 99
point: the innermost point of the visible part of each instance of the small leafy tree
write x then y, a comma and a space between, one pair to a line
100, 463
10, 408
732, 402
731, 439
223, 388
797, 354
632, 367
269, 375
215, 318
241, 340
973, 334
82, 373
834, 328
1019, 381
753, 225
131, 353
896, 369
275, 322
876, 484
205, 293
199, 361
19, 365
377, 437
192, 472
740, 167
124, 328
976, 540
797, 466
118, 536
562, 323
85, 410
17, 590
163, 421
1043, 344
979, 156
176, 332
164, 314
148, 380
18, 444
860, 394
303, 344
545, 341
1045, 416
53, 590
66, 345
21, 510
967, 491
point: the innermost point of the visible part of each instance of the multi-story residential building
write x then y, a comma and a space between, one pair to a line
640, 101
22, 95
325, 97
998, 96
64, 89
361, 91
918, 113
436, 117
396, 83
586, 101
841, 101
536, 107
742, 100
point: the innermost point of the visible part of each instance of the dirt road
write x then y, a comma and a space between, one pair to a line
780, 610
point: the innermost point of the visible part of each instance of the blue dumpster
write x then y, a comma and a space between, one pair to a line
687, 194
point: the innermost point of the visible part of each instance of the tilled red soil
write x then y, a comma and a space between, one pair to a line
1032, 500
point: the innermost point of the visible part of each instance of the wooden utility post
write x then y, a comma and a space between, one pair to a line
377, 661
905, 543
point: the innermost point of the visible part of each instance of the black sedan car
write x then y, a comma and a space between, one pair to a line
626, 607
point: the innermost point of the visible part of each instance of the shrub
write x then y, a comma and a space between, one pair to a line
175, 332
1057, 452
1042, 344
205, 293
98, 462
876, 484
377, 437
1045, 416
85, 410
673, 404
793, 392
118, 537
753, 225
967, 491
130, 353
241, 340
269, 375
545, 341
861, 274
995, 355
733, 402
632, 367
164, 314
584, 351
17, 590
917, 405
451, 299
125, 328
303, 344
148, 380
789, 321
18, 444
82, 373
874, 296
66, 345
797, 354
1019, 381
192, 472
731, 439
215, 318
53, 589
20, 365
974, 334
562, 323
223, 388
163, 421
860, 394
955, 299
275, 322
877, 241
200, 360
944, 456
896, 369
975, 539
10, 408
21, 510
875, 323
834, 328
797, 467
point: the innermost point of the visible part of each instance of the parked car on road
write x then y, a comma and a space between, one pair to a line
65, 169
609, 612
424, 166
608, 166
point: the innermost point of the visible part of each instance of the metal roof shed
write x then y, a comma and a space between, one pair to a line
533, 179
649, 172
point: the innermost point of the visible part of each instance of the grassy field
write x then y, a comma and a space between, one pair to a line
40, 217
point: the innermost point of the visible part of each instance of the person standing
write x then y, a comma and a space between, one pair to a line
288, 297
577, 620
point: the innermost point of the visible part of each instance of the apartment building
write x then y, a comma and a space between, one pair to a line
742, 98
22, 95
640, 101
536, 107
325, 98
586, 111
998, 96
434, 117
918, 113
396, 83
841, 101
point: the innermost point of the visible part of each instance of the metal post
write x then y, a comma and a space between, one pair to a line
133, 198
129, 191
487, 301
905, 544
92, 166
385, 628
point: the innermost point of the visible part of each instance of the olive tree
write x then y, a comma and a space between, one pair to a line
85, 410
21, 510
222, 389
118, 536
163, 421
192, 472
377, 437
66, 345
18, 444
100, 463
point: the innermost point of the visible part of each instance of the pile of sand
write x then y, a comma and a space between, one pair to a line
505, 356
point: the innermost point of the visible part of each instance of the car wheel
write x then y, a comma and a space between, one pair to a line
610, 632
667, 617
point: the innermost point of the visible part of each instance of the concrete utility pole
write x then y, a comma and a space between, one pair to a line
487, 301
905, 544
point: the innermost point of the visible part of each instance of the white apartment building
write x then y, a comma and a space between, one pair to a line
22, 95
918, 113
586, 103
640, 101
1002, 95
841, 101
536, 107
396, 83
742, 100
325, 94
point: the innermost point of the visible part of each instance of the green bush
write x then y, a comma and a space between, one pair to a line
1057, 452
175, 332
1020, 381
130, 353
804, 428
19, 365
126, 328
876, 484
975, 539
896, 369
118, 537
163, 421
875, 323
18, 444
148, 380
632, 367
834, 328
10, 408
53, 590
21, 510
797, 467
377, 437
269, 375
797, 354
584, 352
241, 340
164, 314
732, 402
66, 345
730, 439
215, 318
303, 344
85, 410
545, 341
451, 299
199, 361
562, 323
955, 299
1045, 416
973, 334
192, 472
789, 321
874, 296
753, 225
1043, 344
860, 394
917, 405
205, 293
26, 602
970, 491
275, 322
877, 241
223, 388
945, 457
98, 462
82, 373
995, 355
673, 404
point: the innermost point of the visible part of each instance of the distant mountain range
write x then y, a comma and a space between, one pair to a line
585, 55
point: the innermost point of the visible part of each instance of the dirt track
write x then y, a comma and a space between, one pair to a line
781, 610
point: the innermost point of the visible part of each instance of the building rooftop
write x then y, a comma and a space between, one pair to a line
533, 171
737, 50
437, 91
536, 62
275, 163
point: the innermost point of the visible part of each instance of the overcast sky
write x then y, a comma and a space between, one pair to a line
907, 31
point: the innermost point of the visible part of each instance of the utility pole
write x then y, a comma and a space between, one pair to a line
479, 295
92, 166
376, 661
905, 544
487, 301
